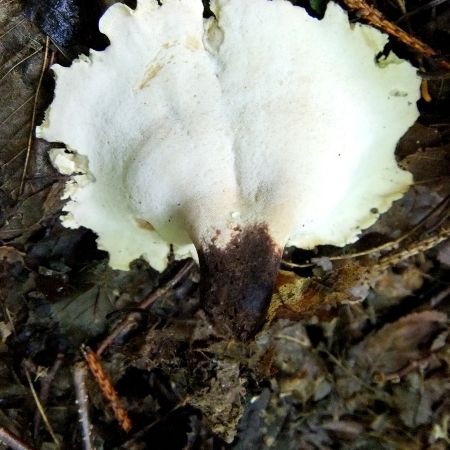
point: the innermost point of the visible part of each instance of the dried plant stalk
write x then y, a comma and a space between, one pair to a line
79, 379
41, 410
107, 388
376, 18
413, 249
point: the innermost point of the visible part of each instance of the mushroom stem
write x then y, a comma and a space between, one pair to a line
237, 281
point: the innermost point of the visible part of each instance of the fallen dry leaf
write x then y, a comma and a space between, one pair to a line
397, 344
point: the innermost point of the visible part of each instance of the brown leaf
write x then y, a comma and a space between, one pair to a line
298, 297
415, 398
393, 285
21, 53
21, 63
397, 344
11, 255
431, 164
416, 138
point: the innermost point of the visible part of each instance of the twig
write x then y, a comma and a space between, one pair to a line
79, 380
413, 249
376, 18
63, 53
12, 441
33, 116
107, 388
41, 410
395, 377
429, 5
443, 205
301, 342
45, 389
131, 320
350, 372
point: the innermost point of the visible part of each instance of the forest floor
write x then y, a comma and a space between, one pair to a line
355, 353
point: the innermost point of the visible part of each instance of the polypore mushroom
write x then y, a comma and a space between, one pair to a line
230, 138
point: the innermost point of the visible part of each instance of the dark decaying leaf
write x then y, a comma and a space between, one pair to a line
59, 19
83, 312
70, 24
415, 403
395, 345
431, 164
417, 138
21, 53
21, 64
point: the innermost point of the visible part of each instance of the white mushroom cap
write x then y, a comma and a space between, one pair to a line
195, 129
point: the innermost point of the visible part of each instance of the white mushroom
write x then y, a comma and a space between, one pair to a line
233, 136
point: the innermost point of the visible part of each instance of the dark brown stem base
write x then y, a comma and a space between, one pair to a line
237, 281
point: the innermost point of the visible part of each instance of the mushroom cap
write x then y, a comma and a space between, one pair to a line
194, 129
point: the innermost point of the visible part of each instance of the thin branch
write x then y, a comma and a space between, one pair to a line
376, 19
45, 389
12, 441
429, 5
63, 53
395, 377
41, 410
350, 372
131, 320
33, 116
441, 206
79, 380
414, 249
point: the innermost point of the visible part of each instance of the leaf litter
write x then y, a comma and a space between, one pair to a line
355, 352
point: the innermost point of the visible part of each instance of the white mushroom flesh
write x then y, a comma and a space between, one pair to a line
195, 129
